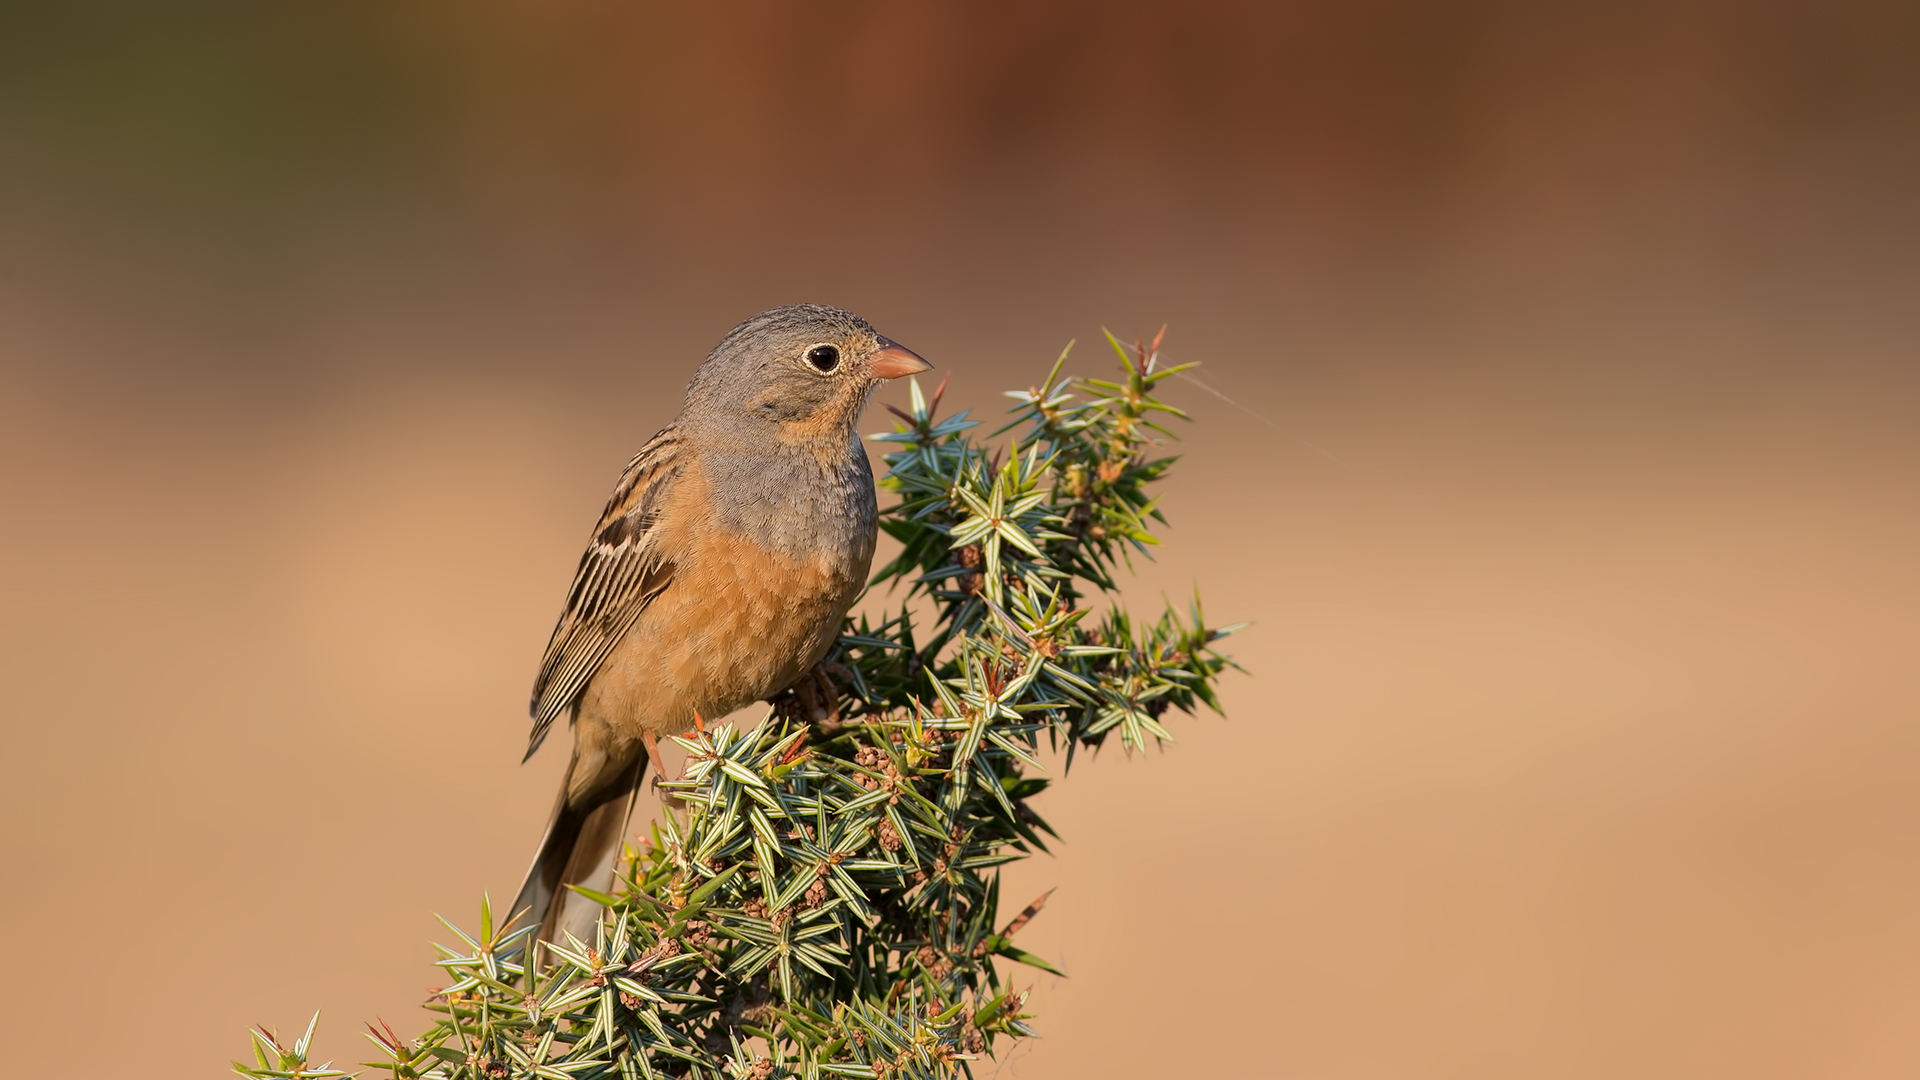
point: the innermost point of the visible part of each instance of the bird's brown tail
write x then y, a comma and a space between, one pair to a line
580, 848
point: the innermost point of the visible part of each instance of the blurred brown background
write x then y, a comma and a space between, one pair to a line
1578, 520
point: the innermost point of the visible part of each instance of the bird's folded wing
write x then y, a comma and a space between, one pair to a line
620, 574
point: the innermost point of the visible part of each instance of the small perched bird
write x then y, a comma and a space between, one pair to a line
718, 575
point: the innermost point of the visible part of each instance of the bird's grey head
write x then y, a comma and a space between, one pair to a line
804, 369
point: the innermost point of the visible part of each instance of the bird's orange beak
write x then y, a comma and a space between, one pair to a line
894, 360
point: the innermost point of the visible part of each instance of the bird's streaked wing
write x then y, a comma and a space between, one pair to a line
620, 574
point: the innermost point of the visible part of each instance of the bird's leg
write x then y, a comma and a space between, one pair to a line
813, 699
652, 744
669, 801
826, 710
804, 699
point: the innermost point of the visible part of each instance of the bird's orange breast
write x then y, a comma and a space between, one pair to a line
739, 623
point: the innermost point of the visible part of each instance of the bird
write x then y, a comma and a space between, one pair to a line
718, 575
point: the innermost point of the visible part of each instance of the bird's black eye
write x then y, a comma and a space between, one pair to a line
824, 358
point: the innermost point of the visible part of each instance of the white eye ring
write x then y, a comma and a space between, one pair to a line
824, 359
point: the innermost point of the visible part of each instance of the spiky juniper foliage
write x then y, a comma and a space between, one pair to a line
824, 901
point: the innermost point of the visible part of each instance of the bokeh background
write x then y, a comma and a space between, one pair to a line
1564, 454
